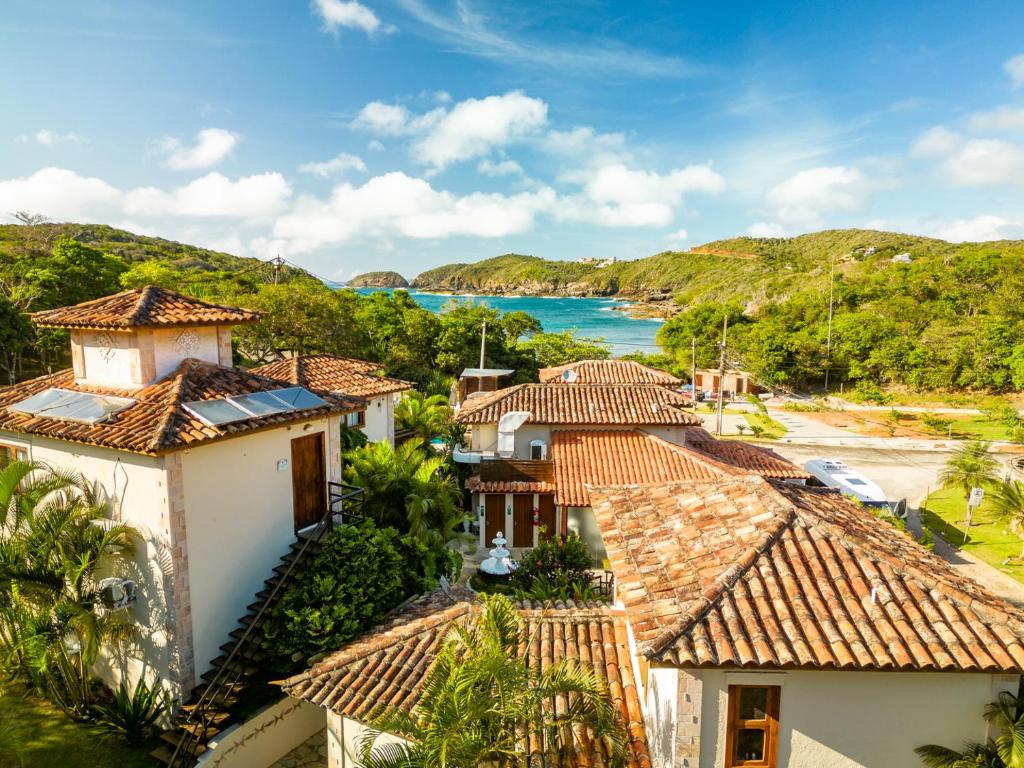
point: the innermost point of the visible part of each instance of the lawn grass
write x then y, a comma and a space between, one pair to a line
773, 430
990, 538
35, 733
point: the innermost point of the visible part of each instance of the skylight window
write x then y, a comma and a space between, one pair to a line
253, 406
67, 405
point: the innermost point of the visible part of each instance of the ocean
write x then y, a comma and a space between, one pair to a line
589, 317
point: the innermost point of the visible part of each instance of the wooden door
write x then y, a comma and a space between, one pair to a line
494, 516
309, 480
522, 520
547, 516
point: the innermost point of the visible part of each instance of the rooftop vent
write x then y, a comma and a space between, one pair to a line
256, 405
68, 405
569, 376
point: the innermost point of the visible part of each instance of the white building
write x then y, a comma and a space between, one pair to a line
216, 467
344, 375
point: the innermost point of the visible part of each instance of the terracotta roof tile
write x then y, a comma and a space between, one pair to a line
388, 666
749, 573
331, 373
608, 372
754, 458
157, 422
599, 404
143, 307
622, 457
474, 483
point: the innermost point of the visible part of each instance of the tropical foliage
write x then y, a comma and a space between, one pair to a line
970, 466
1008, 502
481, 698
56, 539
360, 573
133, 714
564, 347
1005, 751
556, 569
426, 416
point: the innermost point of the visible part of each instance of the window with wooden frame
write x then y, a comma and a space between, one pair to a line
355, 419
10, 453
752, 732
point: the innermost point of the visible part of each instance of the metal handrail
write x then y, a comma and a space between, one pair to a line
184, 754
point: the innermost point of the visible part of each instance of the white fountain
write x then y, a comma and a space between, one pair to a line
499, 563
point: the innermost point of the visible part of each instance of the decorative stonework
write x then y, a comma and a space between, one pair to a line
688, 714
179, 602
105, 345
188, 342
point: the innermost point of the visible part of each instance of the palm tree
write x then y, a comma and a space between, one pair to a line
1005, 751
482, 702
406, 489
55, 536
427, 417
970, 466
1008, 502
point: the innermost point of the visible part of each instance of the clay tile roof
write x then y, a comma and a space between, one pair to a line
474, 483
331, 373
386, 668
143, 307
737, 453
744, 572
622, 457
157, 422
598, 404
608, 372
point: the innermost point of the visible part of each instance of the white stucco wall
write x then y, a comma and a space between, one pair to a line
168, 353
344, 739
661, 714
239, 522
265, 737
380, 419
138, 489
485, 436
116, 364
857, 719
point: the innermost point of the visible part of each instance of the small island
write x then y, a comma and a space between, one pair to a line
383, 279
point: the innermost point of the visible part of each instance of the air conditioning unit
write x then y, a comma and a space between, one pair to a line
116, 594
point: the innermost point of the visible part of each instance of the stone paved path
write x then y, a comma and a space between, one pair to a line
312, 753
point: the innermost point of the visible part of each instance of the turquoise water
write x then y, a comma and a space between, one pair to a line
591, 318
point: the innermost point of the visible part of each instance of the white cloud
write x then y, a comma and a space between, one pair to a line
936, 142
766, 229
678, 237
375, 146
983, 162
48, 138
350, 14
338, 164
469, 129
979, 229
618, 196
1000, 119
59, 194
395, 203
806, 196
502, 168
581, 140
1014, 67
213, 195
212, 145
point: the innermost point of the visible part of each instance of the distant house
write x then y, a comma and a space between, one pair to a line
780, 625
607, 372
901, 258
735, 382
344, 375
474, 380
217, 467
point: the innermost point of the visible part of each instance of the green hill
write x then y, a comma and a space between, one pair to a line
745, 269
382, 279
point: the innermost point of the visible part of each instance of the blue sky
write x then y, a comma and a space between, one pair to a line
403, 134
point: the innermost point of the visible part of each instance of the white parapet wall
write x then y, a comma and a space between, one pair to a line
267, 736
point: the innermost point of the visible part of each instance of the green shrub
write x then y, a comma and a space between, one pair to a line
869, 392
555, 569
360, 573
133, 715
936, 423
430, 565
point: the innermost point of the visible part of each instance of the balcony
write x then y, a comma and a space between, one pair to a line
517, 471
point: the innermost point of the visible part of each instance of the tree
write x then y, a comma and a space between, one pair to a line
970, 466
427, 416
563, 347
481, 698
1008, 502
458, 341
406, 489
29, 219
1005, 751
15, 336
55, 538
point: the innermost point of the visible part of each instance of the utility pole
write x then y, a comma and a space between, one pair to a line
483, 339
277, 261
828, 337
693, 372
721, 374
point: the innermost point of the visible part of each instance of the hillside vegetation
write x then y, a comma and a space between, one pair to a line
382, 279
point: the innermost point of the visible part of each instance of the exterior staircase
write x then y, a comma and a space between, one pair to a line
237, 682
